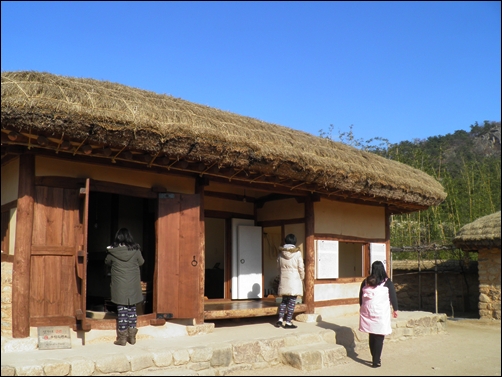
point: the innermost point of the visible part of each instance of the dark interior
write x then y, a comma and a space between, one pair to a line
108, 213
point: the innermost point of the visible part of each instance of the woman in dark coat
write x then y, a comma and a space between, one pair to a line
124, 257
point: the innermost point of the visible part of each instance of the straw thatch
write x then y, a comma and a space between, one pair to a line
108, 115
483, 233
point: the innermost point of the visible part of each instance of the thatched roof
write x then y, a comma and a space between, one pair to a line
103, 119
483, 233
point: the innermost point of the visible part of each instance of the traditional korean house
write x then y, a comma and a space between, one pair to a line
208, 194
483, 237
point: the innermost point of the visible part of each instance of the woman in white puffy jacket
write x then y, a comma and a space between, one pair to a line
292, 272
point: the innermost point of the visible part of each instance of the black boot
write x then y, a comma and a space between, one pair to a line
131, 335
121, 338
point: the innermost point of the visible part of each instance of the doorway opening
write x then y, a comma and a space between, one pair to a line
214, 279
107, 214
272, 240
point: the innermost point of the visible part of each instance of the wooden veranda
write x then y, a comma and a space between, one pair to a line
226, 309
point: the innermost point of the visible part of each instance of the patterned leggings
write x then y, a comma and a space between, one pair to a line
126, 316
287, 306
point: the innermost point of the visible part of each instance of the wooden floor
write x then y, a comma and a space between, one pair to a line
223, 309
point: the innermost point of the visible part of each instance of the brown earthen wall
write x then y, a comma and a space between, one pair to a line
457, 292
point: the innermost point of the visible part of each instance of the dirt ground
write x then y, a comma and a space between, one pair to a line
470, 347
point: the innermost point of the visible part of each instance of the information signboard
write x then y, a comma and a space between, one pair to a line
54, 337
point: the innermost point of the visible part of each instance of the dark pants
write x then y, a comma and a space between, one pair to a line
126, 316
287, 307
376, 346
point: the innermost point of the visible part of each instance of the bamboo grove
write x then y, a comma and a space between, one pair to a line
468, 166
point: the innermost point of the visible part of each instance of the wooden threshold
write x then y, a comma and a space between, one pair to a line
213, 309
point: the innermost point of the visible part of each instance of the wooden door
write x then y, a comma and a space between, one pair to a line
57, 231
249, 262
179, 266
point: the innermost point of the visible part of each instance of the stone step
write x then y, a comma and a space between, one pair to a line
307, 357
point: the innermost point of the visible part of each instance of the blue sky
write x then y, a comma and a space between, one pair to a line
395, 70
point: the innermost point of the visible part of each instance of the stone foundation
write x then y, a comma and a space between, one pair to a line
7, 299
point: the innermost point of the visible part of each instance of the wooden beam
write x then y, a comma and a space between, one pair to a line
14, 136
228, 196
62, 182
42, 140
239, 177
337, 302
52, 321
22, 251
246, 313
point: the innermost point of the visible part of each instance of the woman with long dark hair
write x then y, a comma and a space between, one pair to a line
376, 295
124, 257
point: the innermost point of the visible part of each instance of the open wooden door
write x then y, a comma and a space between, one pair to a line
57, 231
81, 258
179, 266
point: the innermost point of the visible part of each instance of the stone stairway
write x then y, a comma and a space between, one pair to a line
313, 356
244, 347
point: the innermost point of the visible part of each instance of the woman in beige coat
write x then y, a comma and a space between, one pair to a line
292, 273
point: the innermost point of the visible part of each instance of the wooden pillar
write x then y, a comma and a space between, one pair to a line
387, 241
22, 251
309, 256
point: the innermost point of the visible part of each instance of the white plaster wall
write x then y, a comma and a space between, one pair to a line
281, 210
324, 292
10, 181
47, 166
12, 230
333, 217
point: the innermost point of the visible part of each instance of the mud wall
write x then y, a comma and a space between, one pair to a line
457, 287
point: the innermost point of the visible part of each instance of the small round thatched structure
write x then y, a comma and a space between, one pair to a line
483, 233
100, 119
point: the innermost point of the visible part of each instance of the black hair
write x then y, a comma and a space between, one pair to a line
290, 239
378, 274
124, 237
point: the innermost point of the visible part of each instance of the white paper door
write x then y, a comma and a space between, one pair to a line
249, 262
378, 251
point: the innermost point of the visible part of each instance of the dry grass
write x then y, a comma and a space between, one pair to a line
481, 233
115, 115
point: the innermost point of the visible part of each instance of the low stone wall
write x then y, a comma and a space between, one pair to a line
457, 290
489, 283
6, 299
407, 329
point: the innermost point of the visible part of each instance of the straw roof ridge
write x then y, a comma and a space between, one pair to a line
117, 115
481, 233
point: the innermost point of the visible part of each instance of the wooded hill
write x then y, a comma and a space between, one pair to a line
468, 166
